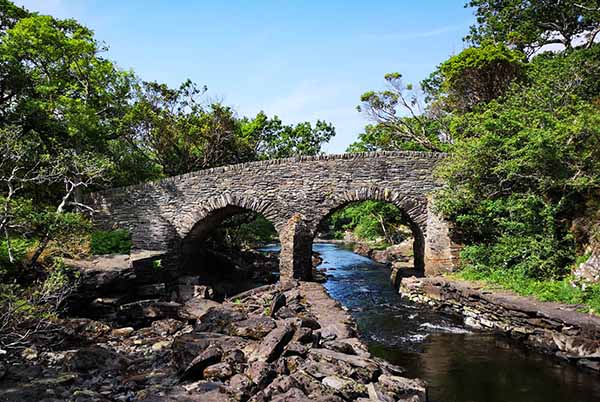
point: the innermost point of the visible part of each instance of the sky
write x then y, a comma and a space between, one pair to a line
300, 60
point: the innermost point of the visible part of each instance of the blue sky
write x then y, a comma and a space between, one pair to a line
302, 60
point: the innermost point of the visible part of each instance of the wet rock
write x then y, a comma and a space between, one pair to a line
278, 302
375, 393
405, 388
219, 371
346, 387
351, 365
253, 328
208, 357
271, 347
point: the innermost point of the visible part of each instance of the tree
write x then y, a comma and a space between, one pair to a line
68, 93
524, 167
176, 131
271, 139
21, 164
417, 130
475, 76
529, 25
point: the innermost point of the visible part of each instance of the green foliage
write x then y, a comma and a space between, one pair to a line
399, 120
247, 229
271, 139
562, 291
524, 167
370, 221
111, 242
475, 76
528, 25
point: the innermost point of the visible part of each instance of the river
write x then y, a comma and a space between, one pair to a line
459, 364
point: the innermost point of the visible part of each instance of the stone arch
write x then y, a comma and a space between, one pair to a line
204, 214
414, 209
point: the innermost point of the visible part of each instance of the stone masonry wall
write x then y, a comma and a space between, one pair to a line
162, 215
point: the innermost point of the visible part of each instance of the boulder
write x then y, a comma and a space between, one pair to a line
346, 387
261, 373
195, 308
93, 358
219, 371
278, 302
207, 357
122, 332
404, 388
241, 384
253, 328
166, 327
355, 366
187, 346
219, 318
273, 344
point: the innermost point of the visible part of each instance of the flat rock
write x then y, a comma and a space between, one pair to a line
219, 371
272, 345
278, 302
207, 357
218, 319
253, 328
401, 387
187, 346
196, 308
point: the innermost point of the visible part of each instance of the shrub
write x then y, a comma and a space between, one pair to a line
111, 242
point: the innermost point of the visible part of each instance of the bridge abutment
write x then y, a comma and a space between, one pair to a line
295, 258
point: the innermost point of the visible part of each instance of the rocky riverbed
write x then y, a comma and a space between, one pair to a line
272, 343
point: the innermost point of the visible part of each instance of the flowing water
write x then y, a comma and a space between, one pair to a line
458, 363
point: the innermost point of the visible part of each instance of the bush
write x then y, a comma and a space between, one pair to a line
111, 242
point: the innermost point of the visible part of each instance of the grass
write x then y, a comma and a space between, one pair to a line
562, 291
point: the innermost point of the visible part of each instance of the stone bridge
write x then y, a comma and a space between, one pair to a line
295, 194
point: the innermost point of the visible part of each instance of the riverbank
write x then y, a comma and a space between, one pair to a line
266, 344
553, 328
145, 333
